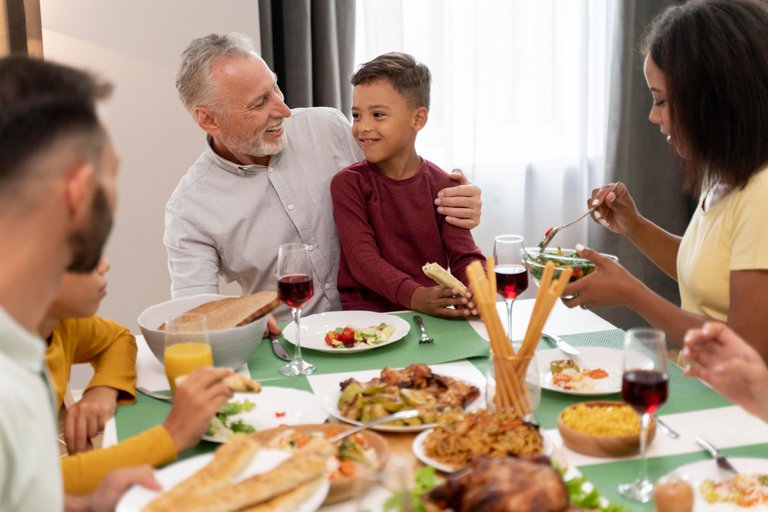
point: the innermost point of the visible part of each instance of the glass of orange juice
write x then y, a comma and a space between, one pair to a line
187, 347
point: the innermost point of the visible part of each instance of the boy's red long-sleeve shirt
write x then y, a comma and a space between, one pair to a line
388, 229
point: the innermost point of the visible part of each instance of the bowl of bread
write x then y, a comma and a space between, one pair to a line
602, 429
236, 325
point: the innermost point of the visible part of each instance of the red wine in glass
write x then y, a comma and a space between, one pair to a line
295, 289
644, 390
511, 280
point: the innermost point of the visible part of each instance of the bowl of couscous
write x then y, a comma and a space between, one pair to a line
602, 429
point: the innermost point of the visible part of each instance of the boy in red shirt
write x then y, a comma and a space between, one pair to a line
387, 222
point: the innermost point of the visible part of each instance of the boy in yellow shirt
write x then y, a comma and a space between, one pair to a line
76, 336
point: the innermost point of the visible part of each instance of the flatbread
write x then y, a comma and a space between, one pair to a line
438, 274
306, 464
229, 460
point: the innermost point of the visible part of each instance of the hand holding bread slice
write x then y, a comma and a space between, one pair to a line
444, 278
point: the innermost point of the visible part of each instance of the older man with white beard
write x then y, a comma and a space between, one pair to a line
263, 179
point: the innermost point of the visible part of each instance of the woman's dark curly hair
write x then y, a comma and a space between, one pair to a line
714, 55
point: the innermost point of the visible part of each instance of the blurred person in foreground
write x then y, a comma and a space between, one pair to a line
263, 179
729, 364
706, 64
57, 196
387, 224
75, 335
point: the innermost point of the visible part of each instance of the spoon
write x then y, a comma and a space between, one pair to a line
400, 415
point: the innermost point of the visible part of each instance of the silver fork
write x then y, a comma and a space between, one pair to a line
424, 336
720, 459
548, 238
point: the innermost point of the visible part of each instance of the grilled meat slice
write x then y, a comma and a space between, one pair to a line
503, 484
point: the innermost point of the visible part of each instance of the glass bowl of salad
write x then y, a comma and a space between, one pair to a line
536, 260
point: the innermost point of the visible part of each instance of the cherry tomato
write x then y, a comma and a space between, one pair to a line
347, 336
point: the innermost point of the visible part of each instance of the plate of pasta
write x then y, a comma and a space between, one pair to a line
450, 446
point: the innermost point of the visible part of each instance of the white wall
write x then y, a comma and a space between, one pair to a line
136, 44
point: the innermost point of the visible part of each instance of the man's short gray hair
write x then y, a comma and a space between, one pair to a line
194, 80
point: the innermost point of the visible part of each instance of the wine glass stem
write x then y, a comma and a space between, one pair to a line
645, 420
509, 303
296, 312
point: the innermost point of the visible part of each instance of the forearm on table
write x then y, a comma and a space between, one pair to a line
658, 245
83, 472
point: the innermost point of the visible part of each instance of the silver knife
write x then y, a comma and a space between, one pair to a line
564, 346
277, 348
717, 455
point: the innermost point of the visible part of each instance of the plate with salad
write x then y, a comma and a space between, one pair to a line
348, 331
272, 407
718, 490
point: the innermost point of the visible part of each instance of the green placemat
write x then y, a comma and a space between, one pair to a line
611, 474
454, 340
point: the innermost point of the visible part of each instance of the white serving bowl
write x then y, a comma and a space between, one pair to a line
231, 347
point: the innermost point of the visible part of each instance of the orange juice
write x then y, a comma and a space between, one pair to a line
185, 358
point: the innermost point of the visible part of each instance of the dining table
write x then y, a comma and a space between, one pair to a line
692, 409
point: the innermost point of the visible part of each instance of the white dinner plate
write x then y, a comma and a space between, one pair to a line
697, 472
609, 359
418, 450
331, 399
315, 327
275, 407
264, 460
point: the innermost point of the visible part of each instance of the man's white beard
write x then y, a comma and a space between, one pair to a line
256, 147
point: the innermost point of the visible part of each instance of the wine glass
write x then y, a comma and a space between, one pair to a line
187, 346
644, 387
295, 287
511, 274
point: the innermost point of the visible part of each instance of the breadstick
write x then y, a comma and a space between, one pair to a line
444, 278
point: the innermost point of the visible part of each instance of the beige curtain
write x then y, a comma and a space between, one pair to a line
21, 31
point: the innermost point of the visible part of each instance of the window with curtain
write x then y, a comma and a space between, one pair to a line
519, 99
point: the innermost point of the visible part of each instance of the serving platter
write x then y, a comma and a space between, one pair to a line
697, 472
330, 391
264, 460
274, 407
315, 327
608, 359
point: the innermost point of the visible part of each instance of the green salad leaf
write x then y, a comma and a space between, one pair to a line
425, 480
221, 425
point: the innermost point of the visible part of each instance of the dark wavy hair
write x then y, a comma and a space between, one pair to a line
714, 54
409, 78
